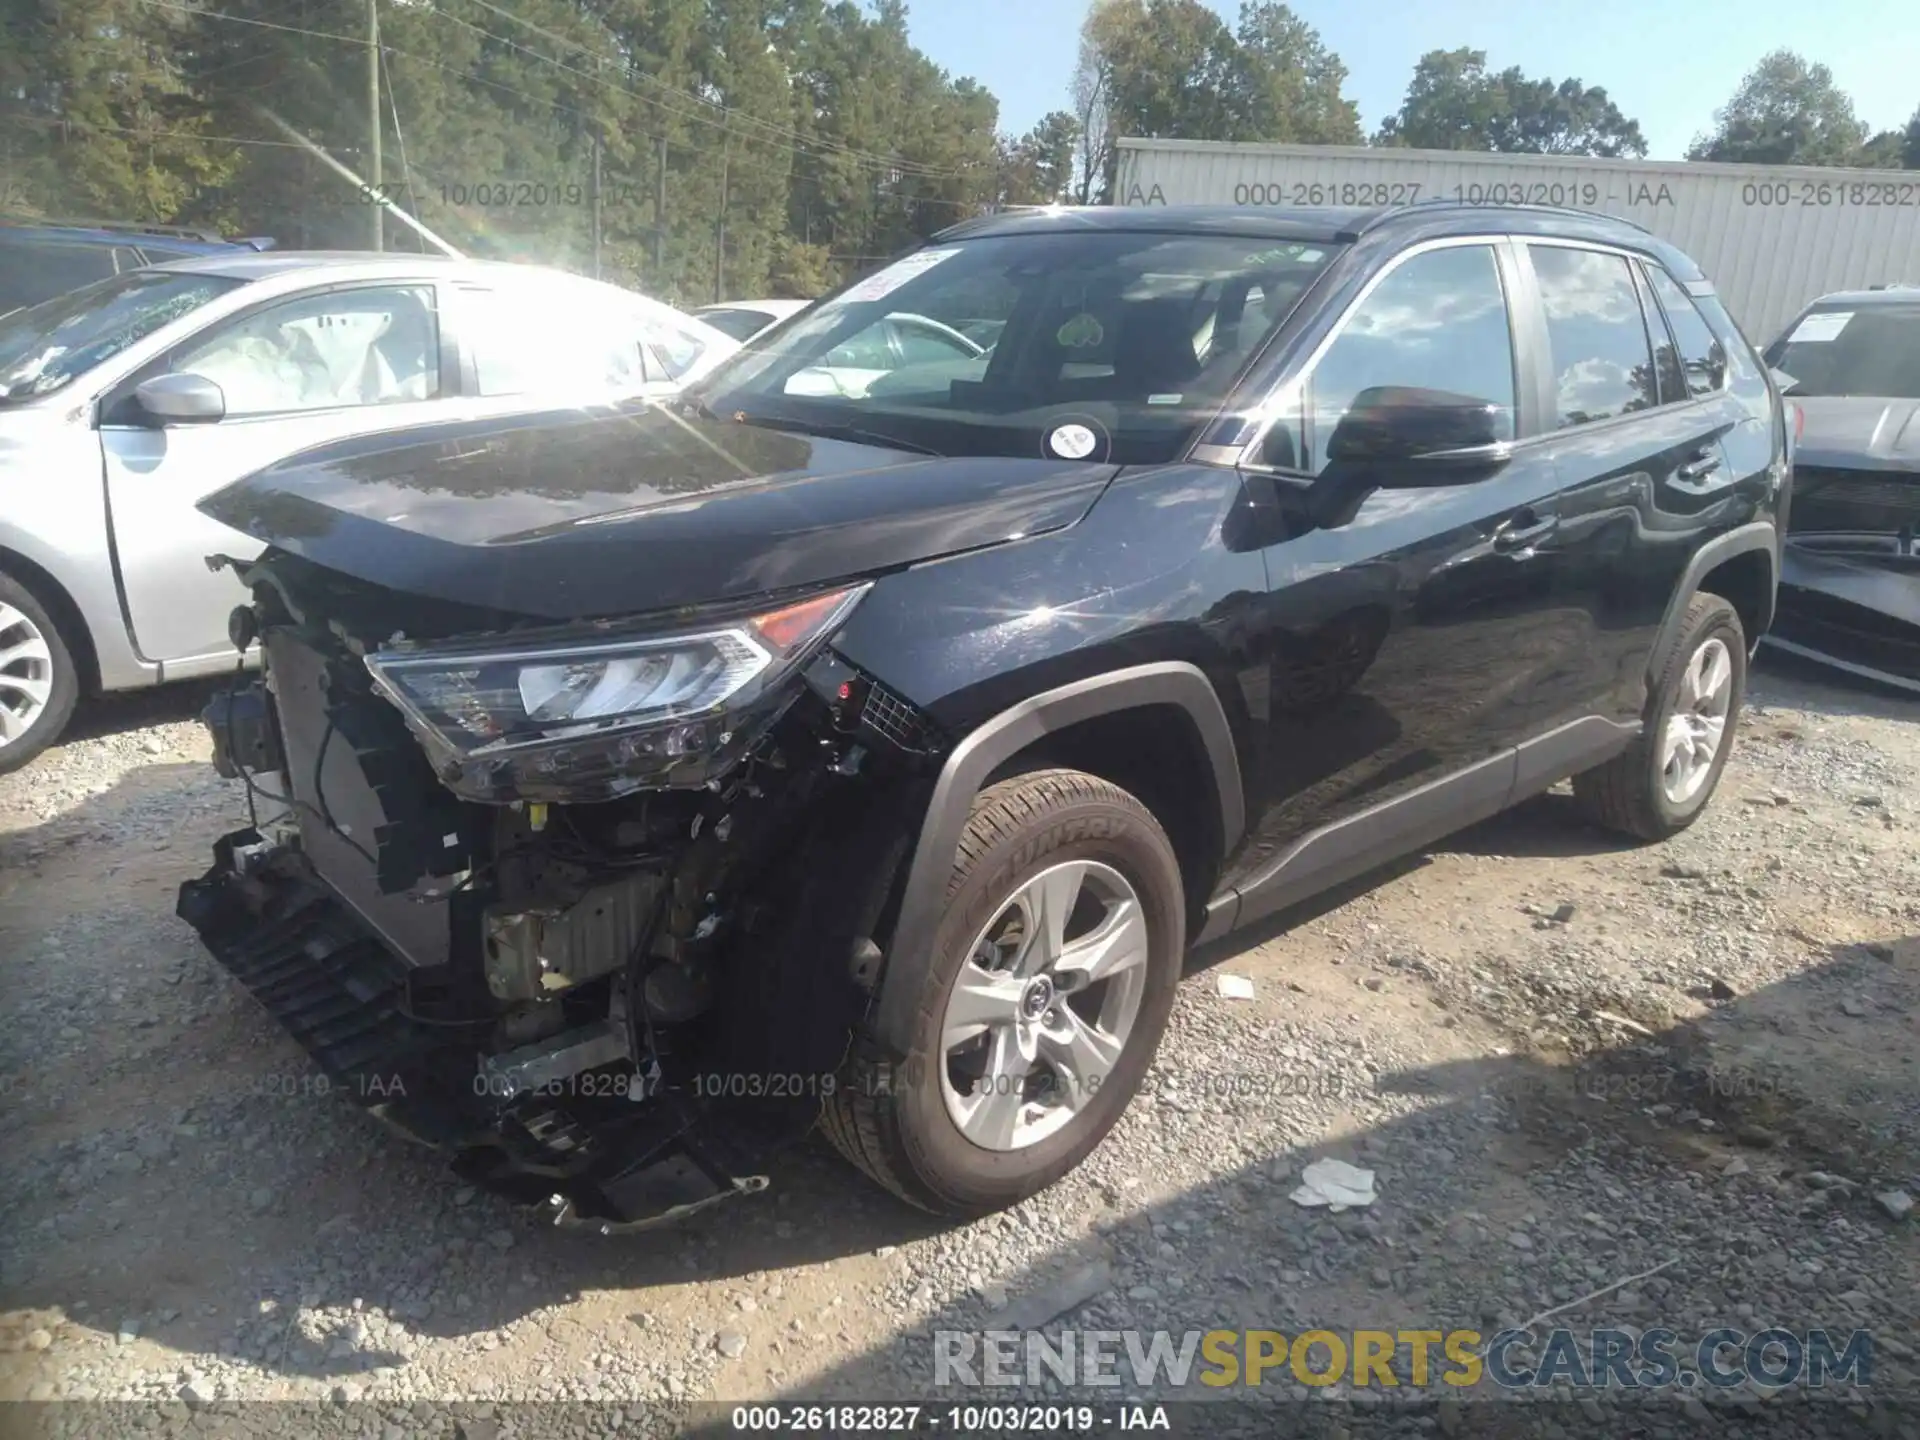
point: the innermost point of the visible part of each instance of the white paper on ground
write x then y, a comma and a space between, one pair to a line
1235, 987
1826, 325
1335, 1184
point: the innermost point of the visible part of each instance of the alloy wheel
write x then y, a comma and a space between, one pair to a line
1698, 726
26, 673
1043, 1005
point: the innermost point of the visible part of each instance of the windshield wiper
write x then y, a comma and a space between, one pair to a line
828, 431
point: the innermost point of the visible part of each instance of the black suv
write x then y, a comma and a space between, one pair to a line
866, 747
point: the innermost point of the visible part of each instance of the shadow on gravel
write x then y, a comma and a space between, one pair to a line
174, 1154
1744, 1177
125, 710
1782, 679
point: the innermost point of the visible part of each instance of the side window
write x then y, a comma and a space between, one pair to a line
1703, 360
1438, 321
1602, 361
924, 345
540, 341
378, 346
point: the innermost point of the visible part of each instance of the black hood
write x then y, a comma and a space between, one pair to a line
576, 515
1859, 432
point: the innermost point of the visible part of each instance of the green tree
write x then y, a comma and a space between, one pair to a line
1785, 112
1455, 103
1286, 84
1037, 168
96, 116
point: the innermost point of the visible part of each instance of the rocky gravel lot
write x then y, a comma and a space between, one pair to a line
1567, 1061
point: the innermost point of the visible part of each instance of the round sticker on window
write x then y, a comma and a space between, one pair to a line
1072, 442
1082, 332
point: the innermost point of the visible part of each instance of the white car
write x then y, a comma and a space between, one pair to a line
125, 402
744, 319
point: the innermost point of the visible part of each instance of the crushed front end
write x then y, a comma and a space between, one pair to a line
1850, 571
592, 908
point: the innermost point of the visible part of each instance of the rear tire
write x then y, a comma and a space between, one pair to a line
1661, 784
1071, 1049
39, 683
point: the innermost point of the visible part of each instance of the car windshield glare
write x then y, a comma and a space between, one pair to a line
1873, 350
45, 347
1104, 346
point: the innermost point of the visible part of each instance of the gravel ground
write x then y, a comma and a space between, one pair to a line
1568, 1062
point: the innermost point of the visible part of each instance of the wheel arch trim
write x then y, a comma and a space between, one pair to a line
1755, 536
990, 745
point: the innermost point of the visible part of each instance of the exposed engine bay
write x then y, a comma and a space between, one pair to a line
563, 941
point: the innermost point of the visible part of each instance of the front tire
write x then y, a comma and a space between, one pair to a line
1053, 974
39, 684
1662, 783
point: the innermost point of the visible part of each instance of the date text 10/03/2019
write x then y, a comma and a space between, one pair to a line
1575, 194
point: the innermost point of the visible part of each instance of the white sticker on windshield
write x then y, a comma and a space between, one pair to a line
1072, 442
1824, 325
882, 284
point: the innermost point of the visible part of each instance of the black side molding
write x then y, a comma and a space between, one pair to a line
1336, 853
976, 757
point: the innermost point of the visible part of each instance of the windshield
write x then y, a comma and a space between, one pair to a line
1081, 345
47, 346
1874, 350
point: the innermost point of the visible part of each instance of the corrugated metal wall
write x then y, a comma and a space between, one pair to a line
1770, 237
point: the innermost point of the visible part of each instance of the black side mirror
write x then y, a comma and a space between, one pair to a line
181, 400
1400, 437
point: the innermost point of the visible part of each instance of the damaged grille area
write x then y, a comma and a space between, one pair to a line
896, 721
1836, 500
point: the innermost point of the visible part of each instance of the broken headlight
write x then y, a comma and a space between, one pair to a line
591, 714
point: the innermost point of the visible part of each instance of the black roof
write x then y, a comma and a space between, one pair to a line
1421, 221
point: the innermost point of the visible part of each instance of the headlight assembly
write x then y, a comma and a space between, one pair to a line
591, 714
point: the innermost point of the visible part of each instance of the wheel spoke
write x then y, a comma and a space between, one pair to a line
1083, 1055
10, 617
994, 1120
1712, 727
12, 725
31, 648
1718, 672
1678, 743
1048, 902
1120, 943
980, 1001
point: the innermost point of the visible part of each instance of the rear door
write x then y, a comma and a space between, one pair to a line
543, 339
1640, 421
296, 372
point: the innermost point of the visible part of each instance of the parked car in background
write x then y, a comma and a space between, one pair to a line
656, 789
128, 400
744, 319
1850, 583
39, 261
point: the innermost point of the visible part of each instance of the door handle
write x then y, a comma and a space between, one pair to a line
1701, 466
1524, 530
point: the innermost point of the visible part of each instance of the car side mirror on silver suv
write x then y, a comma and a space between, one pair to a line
181, 399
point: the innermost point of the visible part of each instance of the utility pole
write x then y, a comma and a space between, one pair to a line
720, 226
659, 210
595, 123
377, 197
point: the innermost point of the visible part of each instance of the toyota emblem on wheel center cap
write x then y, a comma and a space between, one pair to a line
1036, 999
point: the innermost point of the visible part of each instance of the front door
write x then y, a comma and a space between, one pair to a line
1402, 622
295, 373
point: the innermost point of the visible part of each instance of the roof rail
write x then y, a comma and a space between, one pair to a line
1445, 202
132, 227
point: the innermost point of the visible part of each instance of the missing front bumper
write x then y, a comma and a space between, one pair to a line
615, 1158
1852, 603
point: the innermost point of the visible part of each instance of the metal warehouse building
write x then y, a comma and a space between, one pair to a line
1770, 237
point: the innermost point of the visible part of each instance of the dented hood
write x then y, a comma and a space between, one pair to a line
575, 515
1859, 432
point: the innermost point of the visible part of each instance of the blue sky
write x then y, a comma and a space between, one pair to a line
1667, 65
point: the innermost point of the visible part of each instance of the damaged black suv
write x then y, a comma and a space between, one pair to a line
862, 738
